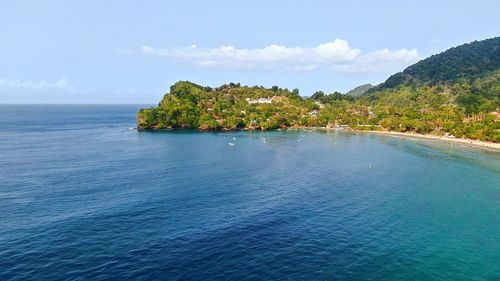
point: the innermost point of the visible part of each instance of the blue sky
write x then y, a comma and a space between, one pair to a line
132, 51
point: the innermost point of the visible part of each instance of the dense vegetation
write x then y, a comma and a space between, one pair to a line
437, 99
463, 63
192, 106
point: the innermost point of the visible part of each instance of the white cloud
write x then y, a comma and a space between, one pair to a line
382, 60
337, 51
62, 83
403, 55
336, 55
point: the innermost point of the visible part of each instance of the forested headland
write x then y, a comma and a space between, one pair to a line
454, 93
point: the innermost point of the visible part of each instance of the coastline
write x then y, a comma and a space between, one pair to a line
470, 142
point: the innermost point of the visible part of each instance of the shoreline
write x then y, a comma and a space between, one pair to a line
470, 142
493, 146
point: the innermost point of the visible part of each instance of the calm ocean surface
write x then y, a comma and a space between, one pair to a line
85, 197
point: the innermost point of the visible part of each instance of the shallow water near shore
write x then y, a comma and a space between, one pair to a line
84, 195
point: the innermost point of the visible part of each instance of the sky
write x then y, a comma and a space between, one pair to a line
124, 52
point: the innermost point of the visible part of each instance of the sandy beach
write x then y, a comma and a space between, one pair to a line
476, 143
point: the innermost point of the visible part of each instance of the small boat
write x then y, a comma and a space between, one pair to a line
234, 138
231, 144
300, 140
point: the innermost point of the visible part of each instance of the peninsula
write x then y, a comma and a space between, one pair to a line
454, 94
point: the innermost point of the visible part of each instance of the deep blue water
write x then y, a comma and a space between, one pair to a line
85, 197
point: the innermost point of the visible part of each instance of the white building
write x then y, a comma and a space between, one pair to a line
260, 100
314, 113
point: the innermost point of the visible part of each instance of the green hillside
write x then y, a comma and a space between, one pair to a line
359, 90
463, 63
455, 93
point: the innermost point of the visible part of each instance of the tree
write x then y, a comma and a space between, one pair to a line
317, 95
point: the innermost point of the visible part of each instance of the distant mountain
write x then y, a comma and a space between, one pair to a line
359, 90
462, 63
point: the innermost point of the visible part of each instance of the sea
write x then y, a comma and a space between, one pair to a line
85, 196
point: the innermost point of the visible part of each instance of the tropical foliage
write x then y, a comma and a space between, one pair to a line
455, 93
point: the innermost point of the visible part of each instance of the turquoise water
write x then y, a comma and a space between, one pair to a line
84, 196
